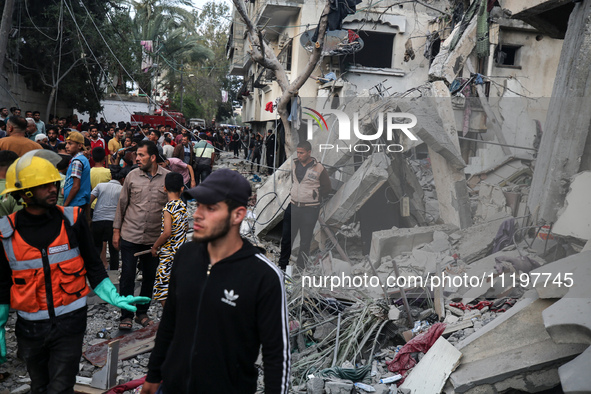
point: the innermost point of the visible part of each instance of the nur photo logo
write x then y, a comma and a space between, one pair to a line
399, 121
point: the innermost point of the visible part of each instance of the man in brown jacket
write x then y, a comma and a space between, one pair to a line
184, 150
310, 184
137, 226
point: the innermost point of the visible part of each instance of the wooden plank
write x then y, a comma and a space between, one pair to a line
431, 373
137, 342
450, 329
438, 297
83, 389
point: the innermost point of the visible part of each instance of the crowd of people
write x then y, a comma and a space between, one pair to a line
73, 190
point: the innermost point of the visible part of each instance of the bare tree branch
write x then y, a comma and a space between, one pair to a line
263, 54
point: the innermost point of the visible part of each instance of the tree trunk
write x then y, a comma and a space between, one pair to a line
49, 103
263, 54
5, 30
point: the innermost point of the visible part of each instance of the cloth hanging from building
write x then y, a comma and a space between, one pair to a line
467, 92
472, 10
491, 4
482, 41
457, 14
269, 107
295, 115
339, 9
504, 235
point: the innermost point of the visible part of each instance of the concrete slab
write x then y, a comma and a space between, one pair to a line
450, 180
403, 181
476, 242
513, 345
491, 201
568, 320
432, 120
431, 373
502, 174
568, 121
575, 218
370, 176
576, 266
574, 375
447, 64
398, 240
272, 199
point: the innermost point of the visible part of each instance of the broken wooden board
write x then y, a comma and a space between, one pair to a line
431, 373
83, 389
451, 328
138, 342
438, 301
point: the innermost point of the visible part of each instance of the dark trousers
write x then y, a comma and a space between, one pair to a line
256, 159
271, 161
202, 171
102, 231
303, 220
285, 239
236, 147
128, 271
52, 351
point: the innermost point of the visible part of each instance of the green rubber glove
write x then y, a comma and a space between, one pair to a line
107, 292
4, 308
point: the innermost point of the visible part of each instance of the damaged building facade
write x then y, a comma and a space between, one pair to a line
494, 188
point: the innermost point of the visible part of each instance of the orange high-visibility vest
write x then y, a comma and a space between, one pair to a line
29, 293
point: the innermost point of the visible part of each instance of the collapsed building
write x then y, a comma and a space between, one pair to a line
494, 187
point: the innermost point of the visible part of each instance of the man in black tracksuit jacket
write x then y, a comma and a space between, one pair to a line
219, 313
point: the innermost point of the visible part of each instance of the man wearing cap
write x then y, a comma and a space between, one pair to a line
225, 300
77, 186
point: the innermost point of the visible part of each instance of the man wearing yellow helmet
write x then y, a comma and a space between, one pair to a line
46, 257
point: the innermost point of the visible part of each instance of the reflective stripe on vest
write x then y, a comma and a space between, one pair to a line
60, 310
66, 267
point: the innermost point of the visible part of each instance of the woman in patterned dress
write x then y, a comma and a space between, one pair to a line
175, 225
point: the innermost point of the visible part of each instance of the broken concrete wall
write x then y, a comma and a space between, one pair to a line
447, 64
450, 181
354, 193
272, 199
404, 183
568, 121
574, 220
505, 353
398, 240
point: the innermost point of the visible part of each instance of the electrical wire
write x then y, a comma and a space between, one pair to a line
37, 28
93, 55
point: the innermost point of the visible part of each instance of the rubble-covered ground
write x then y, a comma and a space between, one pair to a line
343, 338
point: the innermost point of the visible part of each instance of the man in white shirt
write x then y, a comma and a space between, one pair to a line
38, 122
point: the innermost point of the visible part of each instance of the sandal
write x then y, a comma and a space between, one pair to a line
126, 324
144, 320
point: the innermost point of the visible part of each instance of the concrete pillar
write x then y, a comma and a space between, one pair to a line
450, 181
568, 120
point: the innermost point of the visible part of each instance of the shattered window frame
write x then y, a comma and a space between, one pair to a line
516, 48
358, 59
